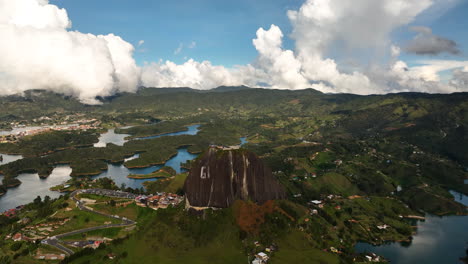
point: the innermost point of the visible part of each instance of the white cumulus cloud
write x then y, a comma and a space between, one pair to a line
38, 51
359, 24
282, 67
318, 27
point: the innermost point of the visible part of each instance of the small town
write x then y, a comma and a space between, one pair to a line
159, 201
225, 132
23, 130
46, 232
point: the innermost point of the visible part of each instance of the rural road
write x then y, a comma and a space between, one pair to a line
55, 240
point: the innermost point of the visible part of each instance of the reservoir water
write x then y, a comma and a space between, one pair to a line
438, 240
192, 130
32, 185
9, 158
243, 140
119, 173
111, 137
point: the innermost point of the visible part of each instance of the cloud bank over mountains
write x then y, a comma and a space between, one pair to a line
38, 51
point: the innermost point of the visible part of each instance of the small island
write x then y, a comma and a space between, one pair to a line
164, 172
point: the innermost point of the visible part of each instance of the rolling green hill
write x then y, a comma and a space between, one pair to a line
379, 156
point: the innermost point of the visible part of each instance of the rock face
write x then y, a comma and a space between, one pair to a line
220, 177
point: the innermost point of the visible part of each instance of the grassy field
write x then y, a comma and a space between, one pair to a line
295, 248
170, 185
333, 183
130, 211
172, 236
97, 198
113, 232
157, 174
80, 219
410, 140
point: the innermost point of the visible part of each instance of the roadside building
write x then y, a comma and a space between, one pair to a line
316, 202
17, 237
262, 257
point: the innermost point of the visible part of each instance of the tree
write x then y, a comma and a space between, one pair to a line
5, 260
15, 246
5, 220
38, 200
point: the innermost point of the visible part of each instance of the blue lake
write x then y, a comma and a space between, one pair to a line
119, 172
32, 186
438, 240
9, 158
243, 141
111, 137
192, 130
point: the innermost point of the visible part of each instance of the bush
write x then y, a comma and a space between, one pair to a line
5, 260
15, 246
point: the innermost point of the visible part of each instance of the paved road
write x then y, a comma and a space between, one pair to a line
56, 243
55, 240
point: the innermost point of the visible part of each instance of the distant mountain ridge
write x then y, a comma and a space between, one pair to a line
435, 122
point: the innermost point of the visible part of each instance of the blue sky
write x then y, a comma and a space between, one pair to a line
223, 30
339, 46
452, 24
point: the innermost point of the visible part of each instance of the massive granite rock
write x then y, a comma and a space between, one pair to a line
220, 177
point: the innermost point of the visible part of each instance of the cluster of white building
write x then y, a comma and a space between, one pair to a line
160, 200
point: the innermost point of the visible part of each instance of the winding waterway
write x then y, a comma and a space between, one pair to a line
32, 185
9, 158
438, 240
118, 172
192, 130
111, 137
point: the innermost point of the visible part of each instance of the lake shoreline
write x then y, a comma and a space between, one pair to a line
162, 162
438, 239
143, 137
144, 177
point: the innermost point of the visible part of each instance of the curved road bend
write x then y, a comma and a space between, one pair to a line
55, 240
